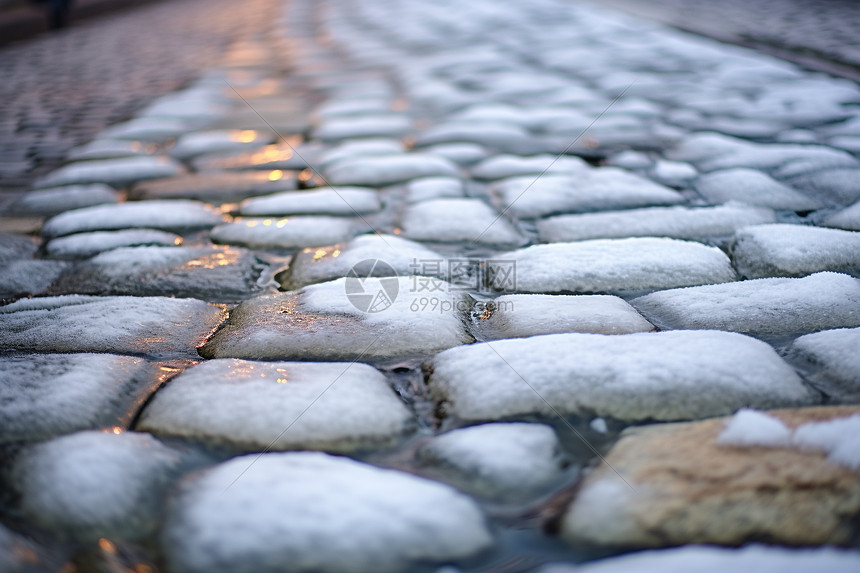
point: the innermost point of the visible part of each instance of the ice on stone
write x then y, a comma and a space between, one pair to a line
675, 222
85, 245
369, 319
310, 511
29, 277
217, 274
164, 215
504, 166
363, 126
249, 404
831, 361
113, 172
661, 376
218, 187
288, 233
367, 255
90, 485
753, 188
593, 190
521, 315
152, 326
434, 188
202, 142
761, 307
512, 461
46, 395
794, 251
328, 201
382, 170
753, 428
48, 202
708, 559
456, 220
610, 265
837, 437
848, 218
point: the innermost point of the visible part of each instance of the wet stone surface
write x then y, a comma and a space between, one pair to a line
424, 287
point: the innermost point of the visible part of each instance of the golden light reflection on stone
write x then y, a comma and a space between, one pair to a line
276, 175
116, 430
280, 224
267, 223
335, 253
217, 259
107, 545
397, 230
177, 241
306, 175
400, 104
319, 253
244, 136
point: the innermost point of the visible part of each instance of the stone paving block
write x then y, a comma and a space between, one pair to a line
511, 462
718, 559
754, 188
93, 485
683, 486
352, 150
459, 220
217, 274
463, 154
113, 172
382, 170
794, 251
431, 188
349, 201
326, 322
521, 315
46, 395
14, 247
110, 149
367, 255
674, 222
146, 129
504, 166
164, 215
152, 326
605, 265
504, 137
197, 143
338, 129
85, 245
848, 218
831, 362
29, 277
285, 155
761, 307
288, 233
595, 190
839, 185
311, 511
248, 405
215, 187
642, 377
52, 201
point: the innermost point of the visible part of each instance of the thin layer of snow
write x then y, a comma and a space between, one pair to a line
15, 247
434, 188
121, 325
832, 360
675, 222
288, 233
510, 461
164, 215
352, 150
493, 135
284, 155
779, 306
837, 437
95, 484
113, 172
146, 129
212, 141
848, 218
520, 315
109, 149
613, 265
593, 190
649, 376
460, 153
705, 559
504, 166
387, 125
84, 245
457, 220
382, 170
753, 428
794, 250
329, 321
391, 251
339, 201
753, 188
45, 395
312, 511
29, 277
216, 187
267, 405
58, 199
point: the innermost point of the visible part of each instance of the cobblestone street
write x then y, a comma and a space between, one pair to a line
373, 286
